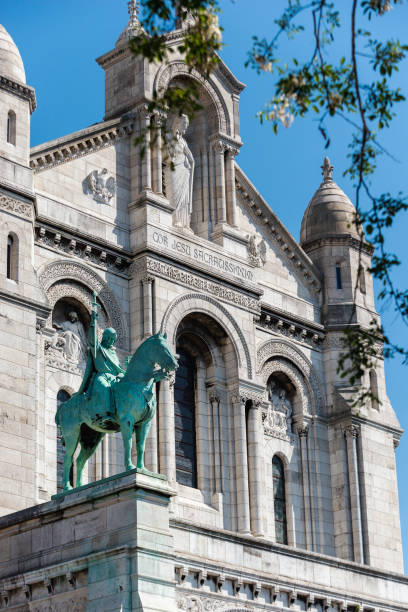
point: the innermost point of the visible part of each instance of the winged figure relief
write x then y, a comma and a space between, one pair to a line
101, 186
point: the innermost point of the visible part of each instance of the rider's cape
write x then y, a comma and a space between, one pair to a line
90, 369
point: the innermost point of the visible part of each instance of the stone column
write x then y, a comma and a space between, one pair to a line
303, 433
232, 215
216, 425
255, 469
147, 283
151, 446
147, 158
157, 156
219, 149
204, 458
241, 463
167, 438
351, 433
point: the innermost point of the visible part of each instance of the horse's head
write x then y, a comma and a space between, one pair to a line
161, 354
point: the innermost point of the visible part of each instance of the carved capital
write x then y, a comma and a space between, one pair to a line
352, 431
302, 430
147, 280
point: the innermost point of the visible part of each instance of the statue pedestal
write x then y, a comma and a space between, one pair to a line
103, 547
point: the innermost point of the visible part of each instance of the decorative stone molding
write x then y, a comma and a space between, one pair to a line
280, 348
19, 89
102, 186
196, 282
63, 270
243, 395
87, 141
197, 302
291, 328
290, 250
201, 603
67, 244
171, 70
16, 207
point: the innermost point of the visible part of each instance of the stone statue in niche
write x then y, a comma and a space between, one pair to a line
278, 418
180, 175
71, 337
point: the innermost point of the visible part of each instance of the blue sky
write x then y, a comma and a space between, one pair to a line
59, 41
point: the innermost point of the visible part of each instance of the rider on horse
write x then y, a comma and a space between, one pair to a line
102, 367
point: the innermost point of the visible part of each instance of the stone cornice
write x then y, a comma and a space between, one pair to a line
265, 217
82, 247
295, 328
21, 90
340, 240
78, 144
113, 56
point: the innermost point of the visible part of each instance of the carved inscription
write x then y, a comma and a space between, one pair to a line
200, 255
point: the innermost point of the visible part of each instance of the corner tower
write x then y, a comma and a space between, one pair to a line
362, 438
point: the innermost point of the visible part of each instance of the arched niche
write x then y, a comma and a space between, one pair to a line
289, 379
72, 280
204, 137
199, 303
299, 365
177, 69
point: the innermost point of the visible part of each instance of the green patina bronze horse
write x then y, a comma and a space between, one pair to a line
128, 405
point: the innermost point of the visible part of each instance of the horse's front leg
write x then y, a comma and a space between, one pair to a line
141, 434
127, 425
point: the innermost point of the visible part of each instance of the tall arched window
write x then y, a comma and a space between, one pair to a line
279, 500
62, 396
374, 389
12, 257
11, 127
184, 414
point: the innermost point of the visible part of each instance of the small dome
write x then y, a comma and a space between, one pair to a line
329, 212
11, 64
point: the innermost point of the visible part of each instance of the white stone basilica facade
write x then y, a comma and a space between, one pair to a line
280, 494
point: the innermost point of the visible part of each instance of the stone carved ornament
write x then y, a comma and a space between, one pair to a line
279, 348
22, 209
197, 603
196, 282
102, 186
62, 270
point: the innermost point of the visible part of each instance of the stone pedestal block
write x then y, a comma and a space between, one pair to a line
103, 547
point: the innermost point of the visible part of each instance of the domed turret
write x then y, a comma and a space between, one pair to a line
329, 212
11, 64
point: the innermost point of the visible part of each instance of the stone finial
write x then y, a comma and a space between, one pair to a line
327, 170
133, 27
